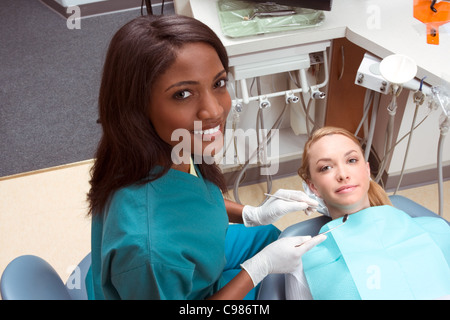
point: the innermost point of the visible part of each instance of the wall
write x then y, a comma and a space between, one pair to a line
44, 213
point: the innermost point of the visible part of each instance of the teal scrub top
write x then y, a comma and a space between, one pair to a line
161, 240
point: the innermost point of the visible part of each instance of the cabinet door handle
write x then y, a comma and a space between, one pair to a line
341, 74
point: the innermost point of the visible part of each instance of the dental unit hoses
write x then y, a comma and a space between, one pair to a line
419, 98
443, 127
260, 147
443, 99
266, 141
392, 110
398, 70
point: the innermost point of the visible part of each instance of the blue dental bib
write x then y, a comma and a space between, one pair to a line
381, 253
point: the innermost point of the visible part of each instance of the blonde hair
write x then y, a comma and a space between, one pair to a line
377, 195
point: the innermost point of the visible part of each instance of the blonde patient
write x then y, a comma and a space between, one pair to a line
334, 169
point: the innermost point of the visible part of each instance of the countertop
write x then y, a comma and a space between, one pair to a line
382, 27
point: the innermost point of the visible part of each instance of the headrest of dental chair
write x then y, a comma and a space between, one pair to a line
412, 208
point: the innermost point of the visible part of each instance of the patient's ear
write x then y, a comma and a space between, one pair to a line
313, 188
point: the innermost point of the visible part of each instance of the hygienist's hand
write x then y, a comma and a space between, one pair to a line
274, 208
281, 256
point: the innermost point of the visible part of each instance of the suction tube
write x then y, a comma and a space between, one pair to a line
407, 147
442, 97
444, 126
440, 175
392, 110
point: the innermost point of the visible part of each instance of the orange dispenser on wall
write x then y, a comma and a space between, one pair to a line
433, 15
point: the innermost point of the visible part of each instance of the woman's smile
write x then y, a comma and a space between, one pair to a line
192, 96
346, 189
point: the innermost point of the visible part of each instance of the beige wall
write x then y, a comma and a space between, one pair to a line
45, 214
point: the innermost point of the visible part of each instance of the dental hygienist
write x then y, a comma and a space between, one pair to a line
160, 228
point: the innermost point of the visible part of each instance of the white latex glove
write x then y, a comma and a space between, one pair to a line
296, 286
322, 208
274, 208
281, 256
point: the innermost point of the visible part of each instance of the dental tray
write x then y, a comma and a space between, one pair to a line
241, 18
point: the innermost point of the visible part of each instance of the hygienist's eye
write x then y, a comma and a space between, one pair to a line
180, 95
221, 83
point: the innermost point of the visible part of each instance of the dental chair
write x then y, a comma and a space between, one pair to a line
273, 288
29, 277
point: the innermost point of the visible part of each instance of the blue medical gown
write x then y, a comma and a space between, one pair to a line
381, 253
166, 240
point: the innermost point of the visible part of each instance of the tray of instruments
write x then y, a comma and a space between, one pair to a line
241, 18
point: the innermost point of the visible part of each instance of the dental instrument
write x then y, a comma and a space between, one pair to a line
240, 18
310, 4
344, 220
278, 13
279, 197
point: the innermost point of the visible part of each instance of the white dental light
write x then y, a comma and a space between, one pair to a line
398, 69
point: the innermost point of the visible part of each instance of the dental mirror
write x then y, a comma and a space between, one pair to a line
344, 219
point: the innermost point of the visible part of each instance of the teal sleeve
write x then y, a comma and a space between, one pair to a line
88, 281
